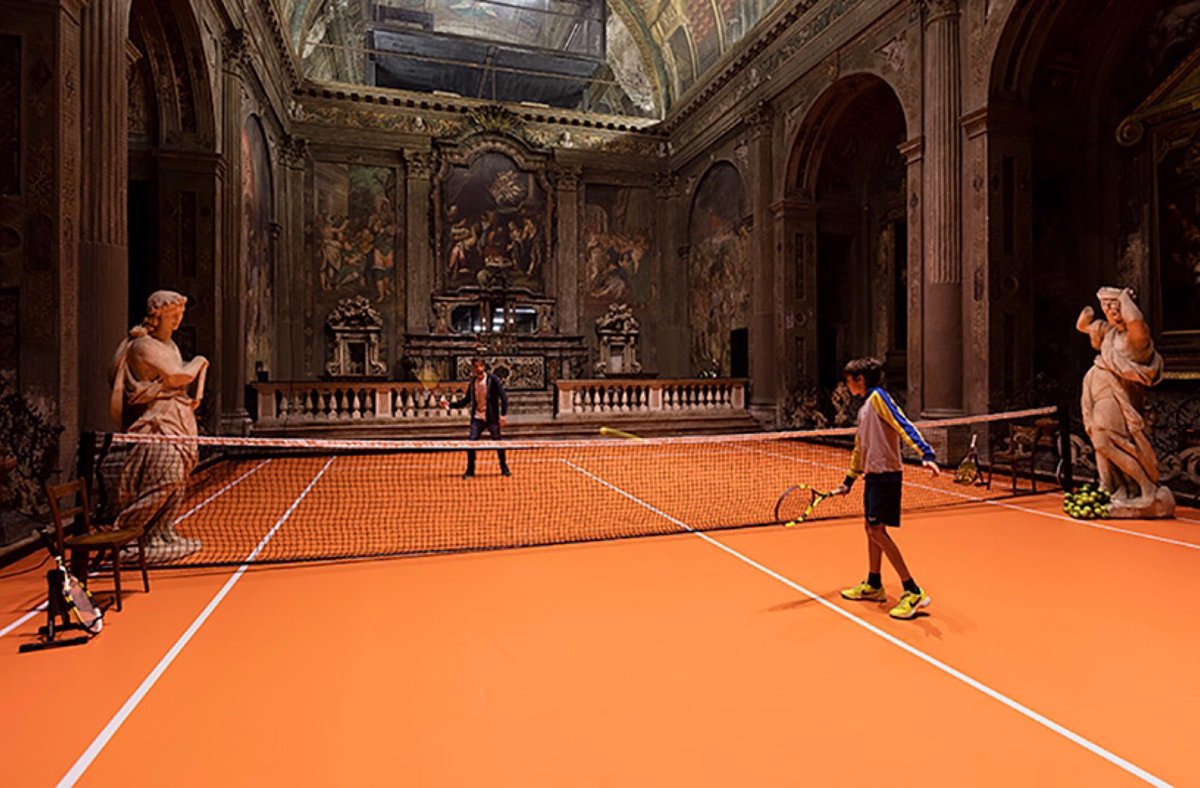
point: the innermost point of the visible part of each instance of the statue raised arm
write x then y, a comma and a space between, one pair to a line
1113, 398
155, 392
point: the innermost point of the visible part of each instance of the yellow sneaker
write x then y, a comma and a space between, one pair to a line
909, 604
865, 591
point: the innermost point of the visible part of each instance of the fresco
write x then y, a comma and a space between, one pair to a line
618, 254
493, 226
257, 262
354, 232
719, 272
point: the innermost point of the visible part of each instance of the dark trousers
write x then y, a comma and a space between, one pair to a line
477, 428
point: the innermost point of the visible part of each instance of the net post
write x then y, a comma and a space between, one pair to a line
1066, 478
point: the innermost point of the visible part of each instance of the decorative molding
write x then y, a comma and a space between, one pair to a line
420, 164
293, 151
496, 120
760, 119
567, 177
235, 52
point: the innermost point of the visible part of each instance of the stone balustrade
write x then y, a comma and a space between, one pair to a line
320, 403
640, 397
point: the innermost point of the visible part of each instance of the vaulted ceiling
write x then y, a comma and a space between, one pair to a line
656, 49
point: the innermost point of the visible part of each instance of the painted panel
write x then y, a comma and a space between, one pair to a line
719, 274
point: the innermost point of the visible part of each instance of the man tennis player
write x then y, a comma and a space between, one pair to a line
881, 424
488, 403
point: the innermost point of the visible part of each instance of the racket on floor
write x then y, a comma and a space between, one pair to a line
968, 469
798, 503
75, 596
612, 432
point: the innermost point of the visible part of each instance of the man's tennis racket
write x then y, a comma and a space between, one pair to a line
968, 469
798, 503
429, 379
612, 432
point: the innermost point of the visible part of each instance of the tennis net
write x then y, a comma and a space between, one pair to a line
282, 500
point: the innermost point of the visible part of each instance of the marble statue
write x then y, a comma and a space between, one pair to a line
1113, 395
155, 393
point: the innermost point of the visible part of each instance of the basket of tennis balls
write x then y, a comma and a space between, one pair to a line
1087, 502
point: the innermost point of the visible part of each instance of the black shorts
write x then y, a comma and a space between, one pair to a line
881, 498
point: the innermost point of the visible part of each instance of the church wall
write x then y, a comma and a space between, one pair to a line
39, 211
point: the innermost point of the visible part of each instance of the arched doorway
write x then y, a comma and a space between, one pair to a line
173, 170
1077, 206
845, 226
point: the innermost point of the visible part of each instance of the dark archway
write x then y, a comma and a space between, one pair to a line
847, 201
1072, 72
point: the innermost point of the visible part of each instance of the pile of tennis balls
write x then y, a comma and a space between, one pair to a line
1088, 502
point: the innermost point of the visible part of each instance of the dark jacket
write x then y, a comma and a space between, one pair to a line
497, 399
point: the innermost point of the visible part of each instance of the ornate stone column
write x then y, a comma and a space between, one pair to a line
566, 258
230, 318
673, 343
419, 248
796, 239
913, 152
764, 366
292, 260
103, 231
942, 368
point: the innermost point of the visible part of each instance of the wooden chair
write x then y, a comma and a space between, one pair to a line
1022, 449
87, 540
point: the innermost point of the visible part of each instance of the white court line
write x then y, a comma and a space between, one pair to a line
1041, 719
40, 608
98, 744
219, 493
1015, 507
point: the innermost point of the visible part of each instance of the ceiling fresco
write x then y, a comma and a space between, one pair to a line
650, 52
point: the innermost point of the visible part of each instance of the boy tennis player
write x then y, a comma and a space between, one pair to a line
881, 424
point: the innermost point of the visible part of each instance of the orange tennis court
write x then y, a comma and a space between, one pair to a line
1055, 652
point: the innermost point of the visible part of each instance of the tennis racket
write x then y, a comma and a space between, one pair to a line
968, 469
75, 597
798, 503
612, 432
429, 379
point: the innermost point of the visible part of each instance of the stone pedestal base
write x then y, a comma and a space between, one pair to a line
1160, 507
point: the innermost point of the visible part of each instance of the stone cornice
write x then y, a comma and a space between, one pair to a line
279, 38
418, 114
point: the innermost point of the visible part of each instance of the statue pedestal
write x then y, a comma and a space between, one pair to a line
1161, 507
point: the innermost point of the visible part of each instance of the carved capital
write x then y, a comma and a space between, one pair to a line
567, 177
419, 164
934, 10
667, 185
760, 120
235, 52
293, 151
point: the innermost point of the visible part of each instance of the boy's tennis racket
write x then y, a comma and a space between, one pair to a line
75, 596
968, 469
798, 503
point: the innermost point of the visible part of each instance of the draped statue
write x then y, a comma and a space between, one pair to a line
1113, 401
155, 393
